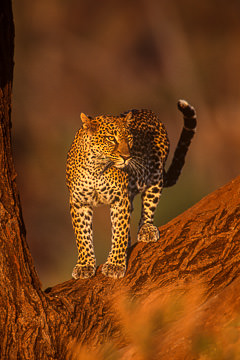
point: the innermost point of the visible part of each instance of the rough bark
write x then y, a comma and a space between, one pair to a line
201, 245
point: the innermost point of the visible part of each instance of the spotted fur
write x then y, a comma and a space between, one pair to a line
112, 159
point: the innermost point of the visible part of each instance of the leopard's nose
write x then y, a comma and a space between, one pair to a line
125, 157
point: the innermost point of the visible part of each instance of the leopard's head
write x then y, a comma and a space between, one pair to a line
109, 139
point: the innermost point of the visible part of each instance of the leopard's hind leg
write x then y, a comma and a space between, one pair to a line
150, 198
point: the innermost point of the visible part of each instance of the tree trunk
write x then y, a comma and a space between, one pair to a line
197, 259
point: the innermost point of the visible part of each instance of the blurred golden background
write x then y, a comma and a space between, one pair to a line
105, 57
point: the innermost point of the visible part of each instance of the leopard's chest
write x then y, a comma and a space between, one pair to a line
95, 189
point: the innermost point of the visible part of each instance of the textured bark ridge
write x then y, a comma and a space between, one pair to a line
200, 246
174, 293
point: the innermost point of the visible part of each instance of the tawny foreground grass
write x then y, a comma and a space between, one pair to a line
165, 323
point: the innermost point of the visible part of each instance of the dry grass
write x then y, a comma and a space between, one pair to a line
168, 326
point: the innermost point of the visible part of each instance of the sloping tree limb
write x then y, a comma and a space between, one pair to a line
201, 244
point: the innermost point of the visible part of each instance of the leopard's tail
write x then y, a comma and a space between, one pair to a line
188, 131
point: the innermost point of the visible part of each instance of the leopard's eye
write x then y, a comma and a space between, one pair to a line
111, 139
130, 141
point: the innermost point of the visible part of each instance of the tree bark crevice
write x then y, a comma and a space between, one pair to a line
202, 244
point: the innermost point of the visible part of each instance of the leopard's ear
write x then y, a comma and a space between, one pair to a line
128, 117
89, 124
86, 121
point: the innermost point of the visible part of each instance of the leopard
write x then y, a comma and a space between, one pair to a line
111, 160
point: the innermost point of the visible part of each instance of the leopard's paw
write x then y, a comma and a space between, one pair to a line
83, 271
148, 233
113, 270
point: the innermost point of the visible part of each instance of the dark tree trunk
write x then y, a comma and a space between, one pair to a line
202, 244
21, 300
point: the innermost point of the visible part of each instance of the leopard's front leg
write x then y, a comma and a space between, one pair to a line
150, 198
82, 224
115, 265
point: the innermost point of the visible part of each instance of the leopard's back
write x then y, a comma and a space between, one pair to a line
149, 151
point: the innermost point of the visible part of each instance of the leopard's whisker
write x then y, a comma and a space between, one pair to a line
138, 159
133, 167
138, 165
137, 169
108, 164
